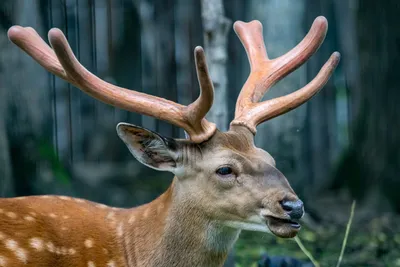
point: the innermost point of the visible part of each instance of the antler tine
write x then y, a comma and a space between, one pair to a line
62, 62
29, 40
203, 103
250, 34
265, 73
283, 104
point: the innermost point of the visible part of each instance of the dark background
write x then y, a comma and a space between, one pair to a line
342, 145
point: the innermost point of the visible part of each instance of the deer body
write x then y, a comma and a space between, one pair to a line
223, 183
57, 231
44, 232
65, 231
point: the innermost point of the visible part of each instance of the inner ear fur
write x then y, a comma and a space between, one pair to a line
150, 148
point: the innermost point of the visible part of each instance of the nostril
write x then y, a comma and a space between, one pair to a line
294, 209
287, 205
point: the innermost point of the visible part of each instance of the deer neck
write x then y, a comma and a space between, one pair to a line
177, 234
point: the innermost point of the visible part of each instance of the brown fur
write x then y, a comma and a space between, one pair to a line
63, 238
183, 227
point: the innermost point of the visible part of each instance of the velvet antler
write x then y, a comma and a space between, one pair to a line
266, 72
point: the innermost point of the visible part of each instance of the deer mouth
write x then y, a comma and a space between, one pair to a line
283, 227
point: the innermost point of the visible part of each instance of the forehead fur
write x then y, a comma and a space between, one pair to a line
238, 138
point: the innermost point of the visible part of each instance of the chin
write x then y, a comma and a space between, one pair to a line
282, 227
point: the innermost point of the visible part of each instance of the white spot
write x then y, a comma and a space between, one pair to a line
58, 251
111, 215
29, 218
120, 229
3, 261
12, 215
91, 264
64, 228
102, 206
21, 254
111, 264
132, 219
45, 196
71, 251
50, 247
114, 208
89, 243
11, 244
146, 213
32, 213
79, 200
52, 215
64, 251
64, 198
65, 217
36, 243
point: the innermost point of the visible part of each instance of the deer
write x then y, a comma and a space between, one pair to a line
222, 183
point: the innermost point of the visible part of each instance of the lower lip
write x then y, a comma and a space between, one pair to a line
295, 225
292, 224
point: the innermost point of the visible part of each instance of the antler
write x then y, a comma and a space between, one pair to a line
266, 72
62, 62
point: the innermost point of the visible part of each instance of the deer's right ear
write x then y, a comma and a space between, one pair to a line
150, 148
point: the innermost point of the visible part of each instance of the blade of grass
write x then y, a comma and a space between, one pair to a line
346, 235
306, 252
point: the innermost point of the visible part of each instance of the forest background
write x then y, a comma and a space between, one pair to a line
342, 145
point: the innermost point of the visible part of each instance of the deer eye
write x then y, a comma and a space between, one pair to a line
224, 171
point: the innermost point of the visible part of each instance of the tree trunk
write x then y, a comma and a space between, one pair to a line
216, 27
373, 158
165, 59
26, 101
148, 28
6, 182
321, 136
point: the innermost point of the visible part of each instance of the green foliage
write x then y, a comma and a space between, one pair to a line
374, 242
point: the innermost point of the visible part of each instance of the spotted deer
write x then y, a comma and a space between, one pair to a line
223, 183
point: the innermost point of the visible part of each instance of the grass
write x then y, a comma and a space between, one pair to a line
374, 241
346, 235
353, 206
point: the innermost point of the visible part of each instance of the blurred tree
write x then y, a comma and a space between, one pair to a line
148, 28
371, 165
27, 111
187, 37
321, 132
6, 182
216, 27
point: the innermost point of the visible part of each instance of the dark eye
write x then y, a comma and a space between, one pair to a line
224, 171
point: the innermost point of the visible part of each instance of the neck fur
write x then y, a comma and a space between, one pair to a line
186, 238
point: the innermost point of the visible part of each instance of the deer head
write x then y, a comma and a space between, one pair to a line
220, 176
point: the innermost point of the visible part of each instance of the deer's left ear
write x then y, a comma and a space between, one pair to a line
150, 148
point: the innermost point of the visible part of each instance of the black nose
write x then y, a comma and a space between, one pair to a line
295, 209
